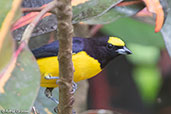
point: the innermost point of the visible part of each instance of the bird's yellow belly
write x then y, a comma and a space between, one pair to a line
85, 68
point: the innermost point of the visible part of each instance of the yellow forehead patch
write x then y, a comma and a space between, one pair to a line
116, 41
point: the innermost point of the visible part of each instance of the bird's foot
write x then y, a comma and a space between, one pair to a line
48, 91
56, 110
74, 87
48, 94
49, 77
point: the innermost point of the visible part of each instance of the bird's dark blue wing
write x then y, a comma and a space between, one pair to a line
52, 48
47, 50
78, 44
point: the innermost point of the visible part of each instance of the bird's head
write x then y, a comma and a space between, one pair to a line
106, 49
115, 46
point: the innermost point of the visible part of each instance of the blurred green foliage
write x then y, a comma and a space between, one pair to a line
146, 72
143, 55
148, 81
5, 7
133, 31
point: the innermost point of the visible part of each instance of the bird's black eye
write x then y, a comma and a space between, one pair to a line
109, 46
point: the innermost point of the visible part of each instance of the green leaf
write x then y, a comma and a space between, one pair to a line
5, 7
92, 9
7, 46
106, 18
22, 86
133, 31
6, 51
116, 13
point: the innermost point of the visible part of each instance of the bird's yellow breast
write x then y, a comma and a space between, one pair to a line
85, 68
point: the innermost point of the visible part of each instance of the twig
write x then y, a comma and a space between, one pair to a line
32, 9
39, 9
28, 31
65, 34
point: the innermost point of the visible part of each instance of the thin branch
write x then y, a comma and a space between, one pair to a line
32, 9
39, 9
28, 31
66, 70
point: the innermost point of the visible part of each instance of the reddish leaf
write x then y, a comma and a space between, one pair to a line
155, 6
30, 16
127, 3
26, 20
144, 13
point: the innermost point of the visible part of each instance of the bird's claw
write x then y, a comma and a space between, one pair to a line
48, 91
56, 110
74, 87
48, 94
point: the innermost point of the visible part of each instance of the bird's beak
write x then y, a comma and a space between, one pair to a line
123, 51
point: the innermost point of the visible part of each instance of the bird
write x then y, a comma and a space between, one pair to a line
89, 56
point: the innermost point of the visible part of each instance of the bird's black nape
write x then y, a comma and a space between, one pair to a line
96, 48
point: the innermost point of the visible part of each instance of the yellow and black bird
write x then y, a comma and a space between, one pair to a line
90, 56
